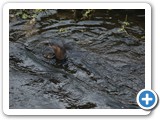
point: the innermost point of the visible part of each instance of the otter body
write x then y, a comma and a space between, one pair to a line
60, 52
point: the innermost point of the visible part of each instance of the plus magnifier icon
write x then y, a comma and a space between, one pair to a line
147, 99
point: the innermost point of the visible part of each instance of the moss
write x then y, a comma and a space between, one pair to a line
26, 13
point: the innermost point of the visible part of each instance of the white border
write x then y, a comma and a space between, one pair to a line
8, 6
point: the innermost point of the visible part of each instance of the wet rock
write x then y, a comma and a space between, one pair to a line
105, 67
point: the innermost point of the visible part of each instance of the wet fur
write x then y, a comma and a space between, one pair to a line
60, 52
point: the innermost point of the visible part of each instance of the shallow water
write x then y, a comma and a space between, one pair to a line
105, 66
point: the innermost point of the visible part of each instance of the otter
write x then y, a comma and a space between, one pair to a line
60, 52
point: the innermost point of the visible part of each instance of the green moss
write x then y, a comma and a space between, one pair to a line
25, 16
88, 14
63, 30
27, 13
124, 25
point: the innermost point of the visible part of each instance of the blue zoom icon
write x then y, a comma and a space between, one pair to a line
147, 99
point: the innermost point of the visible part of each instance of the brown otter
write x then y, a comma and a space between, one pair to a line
60, 52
